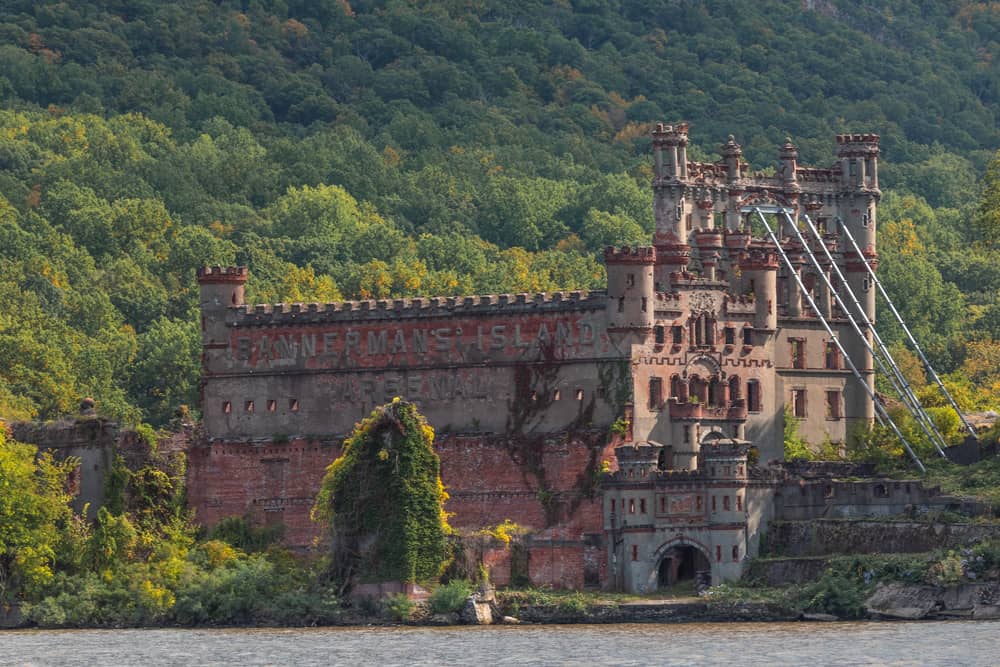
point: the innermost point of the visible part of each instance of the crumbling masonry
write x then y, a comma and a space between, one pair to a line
675, 379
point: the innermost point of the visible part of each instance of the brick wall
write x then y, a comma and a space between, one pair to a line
541, 483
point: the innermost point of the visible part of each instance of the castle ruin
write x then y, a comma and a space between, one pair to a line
634, 430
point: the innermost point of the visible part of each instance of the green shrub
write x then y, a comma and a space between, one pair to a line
399, 606
836, 594
573, 605
450, 597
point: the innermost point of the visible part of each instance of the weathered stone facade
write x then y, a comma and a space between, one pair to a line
689, 356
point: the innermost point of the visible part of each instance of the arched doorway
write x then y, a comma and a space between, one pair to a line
683, 565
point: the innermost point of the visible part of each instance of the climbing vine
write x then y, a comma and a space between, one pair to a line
384, 500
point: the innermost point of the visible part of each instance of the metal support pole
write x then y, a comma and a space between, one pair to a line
879, 408
889, 367
906, 330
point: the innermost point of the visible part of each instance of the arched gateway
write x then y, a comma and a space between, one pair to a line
680, 561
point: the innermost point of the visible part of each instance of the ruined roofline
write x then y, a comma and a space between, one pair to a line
417, 307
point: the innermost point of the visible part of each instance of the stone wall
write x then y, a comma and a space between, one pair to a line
91, 440
828, 537
801, 499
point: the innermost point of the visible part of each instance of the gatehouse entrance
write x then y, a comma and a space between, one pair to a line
682, 564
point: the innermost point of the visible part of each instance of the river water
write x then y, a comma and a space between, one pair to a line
728, 644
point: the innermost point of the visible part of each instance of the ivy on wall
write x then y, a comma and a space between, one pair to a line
384, 500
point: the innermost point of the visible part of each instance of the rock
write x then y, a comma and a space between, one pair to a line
902, 601
476, 612
510, 620
443, 619
985, 612
819, 617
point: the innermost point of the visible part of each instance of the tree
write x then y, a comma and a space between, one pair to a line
34, 507
384, 501
987, 218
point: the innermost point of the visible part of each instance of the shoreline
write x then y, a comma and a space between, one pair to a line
627, 613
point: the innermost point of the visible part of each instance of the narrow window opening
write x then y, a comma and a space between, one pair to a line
799, 403
579, 394
833, 405
739, 503
713, 503
798, 347
753, 396
736, 552
642, 506
748, 336
725, 503
272, 405
556, 395
718, 553
730, 336
630, 280
832, 356
227, 407
631, 506
655, 393
293, 405
663, 504
635, 552
644, 304
621, 304
677, 334
248, 406
660, 334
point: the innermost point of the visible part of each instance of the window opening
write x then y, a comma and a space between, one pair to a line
655, 393
753, 396
832, 356
833, 405
799, 403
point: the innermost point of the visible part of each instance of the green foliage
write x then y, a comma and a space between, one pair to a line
33, 513
796, 447
240, 533
399, 606
377, 151
384, 500
450, 597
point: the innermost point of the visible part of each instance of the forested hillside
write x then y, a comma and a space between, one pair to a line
357, 149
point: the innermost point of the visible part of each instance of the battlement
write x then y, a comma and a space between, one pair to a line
759, 259
685, 279
222, 274
630, 255
858, 139
416, 307
816, 175
676, 134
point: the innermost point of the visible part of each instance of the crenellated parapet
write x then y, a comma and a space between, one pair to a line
222, 274
759, 259
416, 307
630, 255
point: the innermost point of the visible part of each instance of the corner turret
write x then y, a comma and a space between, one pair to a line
630, 286
221, 287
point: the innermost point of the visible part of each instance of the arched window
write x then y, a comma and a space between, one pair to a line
715, 392
675, 386
699, 389
704, 330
